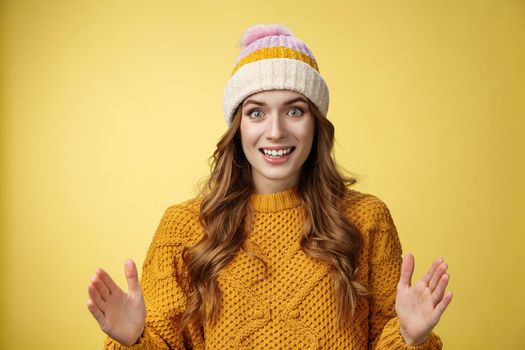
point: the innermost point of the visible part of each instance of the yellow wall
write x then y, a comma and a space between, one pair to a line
110, 110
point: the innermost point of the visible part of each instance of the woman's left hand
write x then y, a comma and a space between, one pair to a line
419, 307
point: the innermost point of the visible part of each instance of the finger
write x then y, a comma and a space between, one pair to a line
407, 269
441, 307
95, 311
108, 281
442, 268
438, 293
426, 278
95, 297
132, 276
101, 287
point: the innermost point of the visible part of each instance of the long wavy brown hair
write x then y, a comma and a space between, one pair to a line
225, 213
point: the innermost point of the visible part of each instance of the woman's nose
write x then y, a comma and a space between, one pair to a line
276, 129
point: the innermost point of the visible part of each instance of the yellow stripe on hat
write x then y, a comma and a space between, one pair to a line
276, 52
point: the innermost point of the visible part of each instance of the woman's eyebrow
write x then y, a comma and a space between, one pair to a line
297, 99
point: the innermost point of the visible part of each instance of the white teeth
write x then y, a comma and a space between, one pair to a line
277, 153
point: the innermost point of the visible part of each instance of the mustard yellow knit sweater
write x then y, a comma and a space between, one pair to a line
294, 307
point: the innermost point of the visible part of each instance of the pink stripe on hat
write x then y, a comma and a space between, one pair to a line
274, 40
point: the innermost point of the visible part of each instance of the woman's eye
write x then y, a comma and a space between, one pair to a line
296, 112
255, 113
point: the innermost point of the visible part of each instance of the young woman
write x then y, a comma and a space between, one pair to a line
277, 251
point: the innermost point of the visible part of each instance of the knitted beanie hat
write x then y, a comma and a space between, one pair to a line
273, 59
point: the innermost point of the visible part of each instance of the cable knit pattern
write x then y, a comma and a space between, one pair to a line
294, 307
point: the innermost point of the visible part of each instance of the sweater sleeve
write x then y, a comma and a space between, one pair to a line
162, 289
385, 271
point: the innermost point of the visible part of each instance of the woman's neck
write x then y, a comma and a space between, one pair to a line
266, 186
275, 201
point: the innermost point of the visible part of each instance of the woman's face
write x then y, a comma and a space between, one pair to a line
277, 131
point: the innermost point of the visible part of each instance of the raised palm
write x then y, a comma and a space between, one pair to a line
420, 306
120, 315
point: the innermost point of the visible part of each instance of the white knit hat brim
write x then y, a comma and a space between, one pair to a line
275, 74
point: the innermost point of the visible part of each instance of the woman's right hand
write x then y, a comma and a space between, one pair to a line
119, 315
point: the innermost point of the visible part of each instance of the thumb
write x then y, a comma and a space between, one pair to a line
131, 276
407, 269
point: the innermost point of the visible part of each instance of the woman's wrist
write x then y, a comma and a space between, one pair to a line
412, 340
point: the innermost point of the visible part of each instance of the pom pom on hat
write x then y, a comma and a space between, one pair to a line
259, 31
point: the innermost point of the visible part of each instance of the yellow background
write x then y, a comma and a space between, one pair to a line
110, 109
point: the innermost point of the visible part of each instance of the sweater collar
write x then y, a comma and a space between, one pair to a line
277, 201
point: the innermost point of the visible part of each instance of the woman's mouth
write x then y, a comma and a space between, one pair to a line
277, 156
276, 153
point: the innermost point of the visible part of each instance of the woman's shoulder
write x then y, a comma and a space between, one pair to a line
189, 207
366, 210
180, 222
